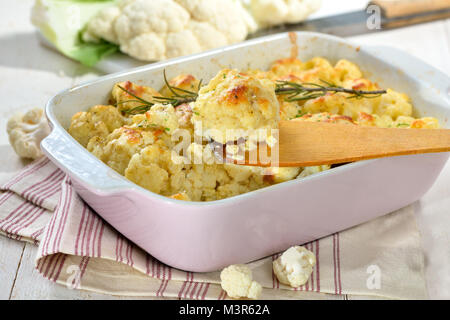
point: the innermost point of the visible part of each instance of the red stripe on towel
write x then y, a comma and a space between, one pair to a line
31, 168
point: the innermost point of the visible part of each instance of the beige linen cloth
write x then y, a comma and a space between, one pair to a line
379, 259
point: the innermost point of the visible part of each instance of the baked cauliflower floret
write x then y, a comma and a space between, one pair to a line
294, 266
152, 30
152, 168
325, 117
308, 171
126, 100
278, 175
118, 148
394, 104
184, 115
99, 121
274, 12
374, 120
361, 84
202, 181
410, 122
347, 70
234, 100
425, 123
181, 196
288, 110
183, 81
286, 67
159, 116
241, 174
201, 154
339, 104
26, 132
315, 70
237, 281
318, 70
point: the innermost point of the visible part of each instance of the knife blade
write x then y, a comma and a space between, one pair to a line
390, 15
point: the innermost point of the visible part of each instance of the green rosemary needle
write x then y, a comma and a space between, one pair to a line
307, 91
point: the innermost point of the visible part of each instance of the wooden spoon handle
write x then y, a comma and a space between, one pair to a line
400, 8
305, 143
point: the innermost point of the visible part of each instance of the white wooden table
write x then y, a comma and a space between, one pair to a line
30, 74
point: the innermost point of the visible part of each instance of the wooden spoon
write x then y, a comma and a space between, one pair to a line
303, 143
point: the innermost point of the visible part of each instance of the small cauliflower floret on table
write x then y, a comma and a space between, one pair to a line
237, 281
236, 101
99, 121
26, 132
126, 101
294, 266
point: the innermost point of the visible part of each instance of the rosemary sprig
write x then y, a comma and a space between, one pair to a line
180, 96
306, 91
291, 90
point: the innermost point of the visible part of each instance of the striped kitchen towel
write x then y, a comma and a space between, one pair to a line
379, 259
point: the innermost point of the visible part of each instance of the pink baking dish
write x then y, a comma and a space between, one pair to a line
208, 236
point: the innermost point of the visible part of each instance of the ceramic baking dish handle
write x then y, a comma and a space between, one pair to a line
402, 60
83, 165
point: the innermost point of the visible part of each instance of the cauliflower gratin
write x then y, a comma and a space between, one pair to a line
138, 133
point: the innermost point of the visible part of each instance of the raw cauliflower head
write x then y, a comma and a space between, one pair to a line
238, 282
26, 132
294, 266
152, 30
273, 12
236, 101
